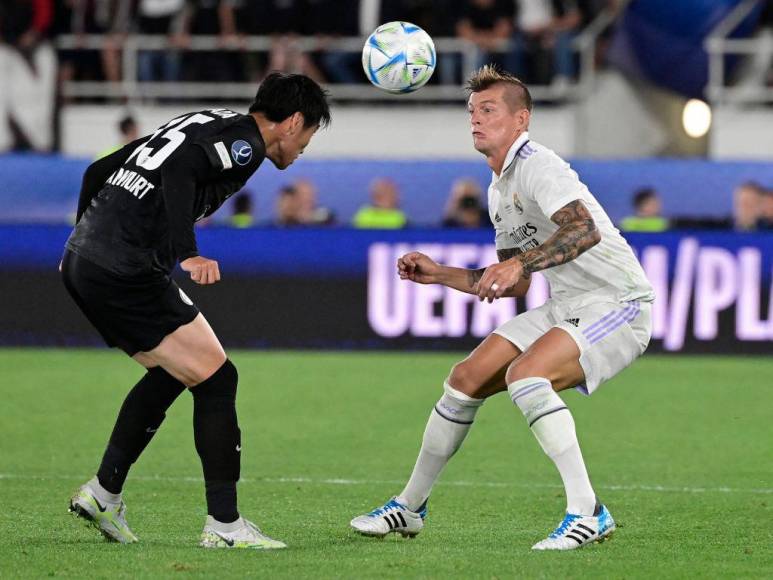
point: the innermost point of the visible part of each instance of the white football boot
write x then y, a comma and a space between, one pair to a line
576, 531
108, 518
246, 535
392, 517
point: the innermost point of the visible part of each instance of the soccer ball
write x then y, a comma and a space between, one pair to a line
399, 57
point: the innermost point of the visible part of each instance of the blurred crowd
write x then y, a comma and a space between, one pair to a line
752, 211
466, 207
541, 32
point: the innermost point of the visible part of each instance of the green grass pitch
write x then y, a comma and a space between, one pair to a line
680, 449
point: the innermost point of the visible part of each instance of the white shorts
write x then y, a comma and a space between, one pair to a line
610, 335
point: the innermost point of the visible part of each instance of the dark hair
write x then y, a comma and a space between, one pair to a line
126, 123
641, 196
281, 94
755, 185
490, 75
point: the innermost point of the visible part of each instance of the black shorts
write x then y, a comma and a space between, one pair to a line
131, 313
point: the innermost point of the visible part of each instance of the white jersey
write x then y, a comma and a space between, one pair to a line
534, 184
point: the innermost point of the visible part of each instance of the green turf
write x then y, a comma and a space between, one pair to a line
681, 449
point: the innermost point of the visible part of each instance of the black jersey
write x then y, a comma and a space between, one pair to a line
137, 206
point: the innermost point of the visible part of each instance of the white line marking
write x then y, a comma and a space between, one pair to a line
337, 481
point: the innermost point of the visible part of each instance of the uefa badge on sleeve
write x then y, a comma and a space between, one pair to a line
241, 151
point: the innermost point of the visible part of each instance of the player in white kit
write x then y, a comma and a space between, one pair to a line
596, 323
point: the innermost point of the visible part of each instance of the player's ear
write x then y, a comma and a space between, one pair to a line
296, 122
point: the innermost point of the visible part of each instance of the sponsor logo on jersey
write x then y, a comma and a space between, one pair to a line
523, 232
517, 203
573, 321
497, 218
241, 151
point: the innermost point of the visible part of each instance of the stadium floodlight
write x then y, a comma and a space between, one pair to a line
696, 118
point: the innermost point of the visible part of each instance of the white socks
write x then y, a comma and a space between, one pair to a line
553, 426
447, 427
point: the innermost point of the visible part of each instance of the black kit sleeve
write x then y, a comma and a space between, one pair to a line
97, 173
179, 178
221, 188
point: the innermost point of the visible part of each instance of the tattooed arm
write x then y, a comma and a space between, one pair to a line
420, 268
577, 233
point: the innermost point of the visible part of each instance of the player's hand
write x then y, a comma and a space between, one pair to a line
498, 279
203, 270
418, 267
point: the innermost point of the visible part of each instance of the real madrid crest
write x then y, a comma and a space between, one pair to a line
517, 203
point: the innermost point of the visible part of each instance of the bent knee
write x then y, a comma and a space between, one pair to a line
560, 378
464, 379
200, 369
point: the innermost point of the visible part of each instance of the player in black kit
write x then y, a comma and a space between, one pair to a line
135, 220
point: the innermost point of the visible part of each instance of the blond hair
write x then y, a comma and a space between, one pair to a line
489, 75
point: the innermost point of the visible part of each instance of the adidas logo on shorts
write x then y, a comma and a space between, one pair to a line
573, 321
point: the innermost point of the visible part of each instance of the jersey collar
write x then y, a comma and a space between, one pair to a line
511, 153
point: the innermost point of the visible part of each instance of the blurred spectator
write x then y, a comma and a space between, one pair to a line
309, 212
766, 221
129, 130
485, 23
287, 54
297, 206
250, 18
437, 17
329, 20
81, 17
384, 211
542, 44
213, 18
161, 17
647, 213
242, 211
465, 208
28, 83
287, 208
747, 206
127, 126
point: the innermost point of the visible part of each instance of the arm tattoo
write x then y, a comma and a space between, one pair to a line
577, 233
503, 255
474, 275
508, 253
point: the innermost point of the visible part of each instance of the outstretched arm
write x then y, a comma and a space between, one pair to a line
576, 234
420, 268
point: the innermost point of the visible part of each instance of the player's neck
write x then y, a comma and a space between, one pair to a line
496, 160
266, 128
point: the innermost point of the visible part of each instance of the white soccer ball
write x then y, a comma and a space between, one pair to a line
399, 57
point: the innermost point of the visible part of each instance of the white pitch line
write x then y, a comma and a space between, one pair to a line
338, 481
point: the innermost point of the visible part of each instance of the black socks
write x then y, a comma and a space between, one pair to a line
215, 430
218, 440
140, 416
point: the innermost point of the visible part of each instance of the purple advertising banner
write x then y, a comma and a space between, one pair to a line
338, 288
